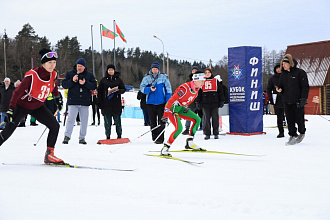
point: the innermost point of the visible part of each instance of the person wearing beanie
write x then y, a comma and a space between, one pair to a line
294, 87
158, 89
29, 98
210, 99
79, 83
109, 101
275, 99
6, 92
177, 108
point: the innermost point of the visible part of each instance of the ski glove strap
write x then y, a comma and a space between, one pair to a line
9, 116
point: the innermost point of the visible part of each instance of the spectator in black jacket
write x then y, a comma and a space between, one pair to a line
210, 98
143, 105
294, 88
277, 103
109, 100
6, 92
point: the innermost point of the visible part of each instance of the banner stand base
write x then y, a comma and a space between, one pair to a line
246, 134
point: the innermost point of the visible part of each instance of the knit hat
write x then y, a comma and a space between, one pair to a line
194, 68
287, 59
198, 76
81, 61
111, 66
155, 65
47, 55
6, 79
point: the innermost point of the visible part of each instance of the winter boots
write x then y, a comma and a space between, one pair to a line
185, 132
292, 141
300, 138
82, 141
50, 158
295, 140
66, 140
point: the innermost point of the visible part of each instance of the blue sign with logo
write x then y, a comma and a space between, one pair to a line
245, 90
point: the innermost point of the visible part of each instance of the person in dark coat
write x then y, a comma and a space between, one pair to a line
79, 82
210, 98
6, 92
143, 105
277, 103
110, 89
294, 88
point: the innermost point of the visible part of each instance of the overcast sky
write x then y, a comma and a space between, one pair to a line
200, 30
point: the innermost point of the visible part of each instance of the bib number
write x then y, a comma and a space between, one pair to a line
44, 92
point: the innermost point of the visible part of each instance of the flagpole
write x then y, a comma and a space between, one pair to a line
102, 50
114, 43
92, 50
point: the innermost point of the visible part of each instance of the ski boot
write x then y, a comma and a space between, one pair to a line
191, 146
292, 141
165, 151
50, 158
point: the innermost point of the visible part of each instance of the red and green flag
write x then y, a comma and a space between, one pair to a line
121, 35
107, 33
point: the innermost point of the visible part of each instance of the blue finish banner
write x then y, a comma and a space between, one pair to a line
245, 90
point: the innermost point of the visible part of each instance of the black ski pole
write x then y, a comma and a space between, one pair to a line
317, 114
66, 113
44, 131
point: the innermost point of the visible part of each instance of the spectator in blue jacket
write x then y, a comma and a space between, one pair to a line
79, 83
157, 87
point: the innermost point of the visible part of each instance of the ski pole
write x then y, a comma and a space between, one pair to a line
43, 131
136, 138
317, 114
147, 132
162, 132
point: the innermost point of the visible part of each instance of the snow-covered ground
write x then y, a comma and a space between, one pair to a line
286, 183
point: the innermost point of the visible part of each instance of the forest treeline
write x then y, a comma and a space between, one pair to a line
133, 63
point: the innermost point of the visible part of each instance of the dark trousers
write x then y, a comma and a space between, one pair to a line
211, 113
95, 111
155, 115
295, 116
42, 114
146, 117
108, 122
280, 119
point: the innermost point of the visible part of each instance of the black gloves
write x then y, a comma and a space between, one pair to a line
302, 102
9, 116
164, 120
198, 106
59, 103
221, 104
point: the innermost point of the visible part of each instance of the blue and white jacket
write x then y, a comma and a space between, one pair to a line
162, 84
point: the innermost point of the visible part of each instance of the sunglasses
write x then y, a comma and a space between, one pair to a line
50, 55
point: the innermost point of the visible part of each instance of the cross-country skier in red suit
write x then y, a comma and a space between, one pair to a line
29, 97
176, 108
